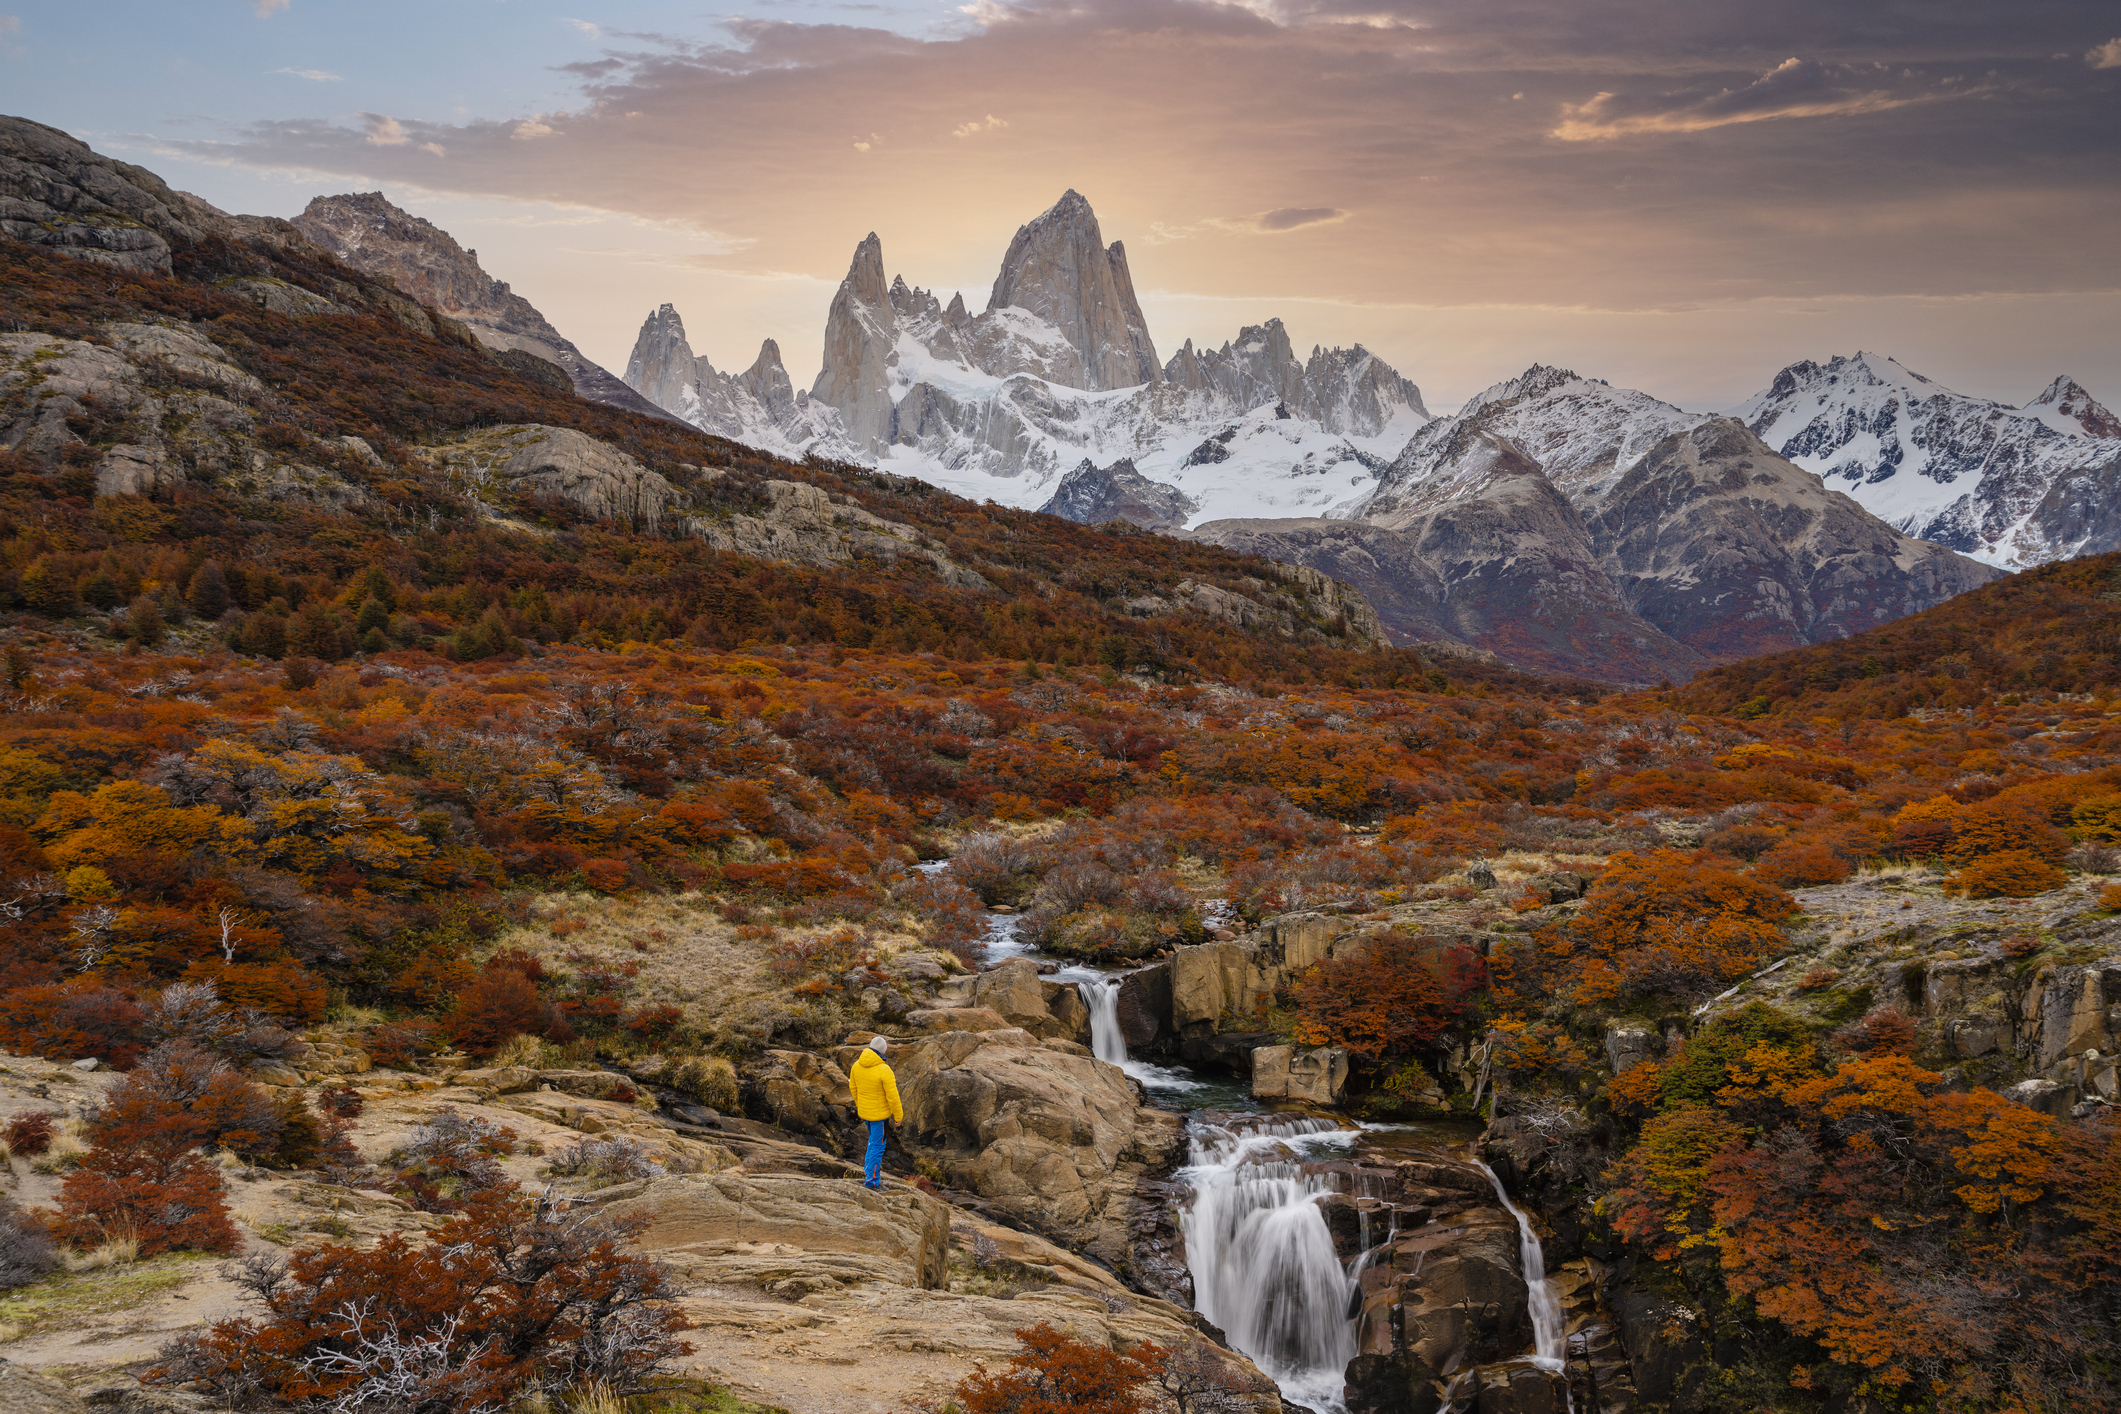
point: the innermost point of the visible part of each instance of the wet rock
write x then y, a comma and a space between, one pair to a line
1519, 1388
1316, 1077
1231, 1051
1145, 1006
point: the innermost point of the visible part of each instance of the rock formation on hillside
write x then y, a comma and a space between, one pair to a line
1092, 495
424, 261
1059, 368
1965, 472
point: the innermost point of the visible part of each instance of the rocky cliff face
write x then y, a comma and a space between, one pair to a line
424, 261
1059, 271
1734, 551
1061, 367
1965, 472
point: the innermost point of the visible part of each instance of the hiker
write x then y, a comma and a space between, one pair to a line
876, 1100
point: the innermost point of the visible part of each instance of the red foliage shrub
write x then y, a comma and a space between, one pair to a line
1798, 863
1393, 998
70, 1020
1884, 1032
1055, 1373
499, 1003
29, 1134
398, 1044
502, 1301
178, 1205
2010, 874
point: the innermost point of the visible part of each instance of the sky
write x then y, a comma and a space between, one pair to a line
1683, 196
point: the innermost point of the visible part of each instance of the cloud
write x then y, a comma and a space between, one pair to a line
1795, 88
585, 27
2106, 56
534, 127
1289, 218
384, 131
434, 147
266, 9
872, 141
313, 75
976, 126
1261, 223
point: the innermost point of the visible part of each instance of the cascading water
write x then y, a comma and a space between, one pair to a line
1264, 1268
1549, 1342
1101, 996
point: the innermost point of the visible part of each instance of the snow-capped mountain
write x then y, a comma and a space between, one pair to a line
1582, 432
760, 407
1570, 526
1059, 369
2002, 484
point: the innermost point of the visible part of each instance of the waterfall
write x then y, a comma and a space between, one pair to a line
1549, 1348
1107, 1042
1264, 1268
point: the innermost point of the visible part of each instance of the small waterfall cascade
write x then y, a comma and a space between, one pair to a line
1263, 1262
1549, 1340
1101, 995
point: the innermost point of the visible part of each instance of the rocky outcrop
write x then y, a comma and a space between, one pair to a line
1054, 1141
25, 1391
1092, 495
422, 260
1350, 391
807, 526
59, 193
498, 464
1318, 1076
1016, 993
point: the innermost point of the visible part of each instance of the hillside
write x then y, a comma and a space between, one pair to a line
2051, 630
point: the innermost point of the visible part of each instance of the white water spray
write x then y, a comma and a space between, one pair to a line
1549, 1340
1263, 1263
1100, 994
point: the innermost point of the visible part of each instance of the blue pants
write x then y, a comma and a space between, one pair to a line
873, 1170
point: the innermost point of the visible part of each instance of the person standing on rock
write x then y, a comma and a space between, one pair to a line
876, 1100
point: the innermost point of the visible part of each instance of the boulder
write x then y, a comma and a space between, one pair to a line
1314, 1077
1020, 996
1052, 1140
1628, 1045
1518, 1388
503, 1080
2073, 1012
1145, 1006
2050, 1097
969, 1018
1230, 1051
1561, 886
791, 1234
799, 1091
1064, 1001
589, 1084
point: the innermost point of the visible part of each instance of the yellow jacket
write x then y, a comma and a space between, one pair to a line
876, 1089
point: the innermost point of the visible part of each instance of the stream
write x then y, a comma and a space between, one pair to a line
1264, 1267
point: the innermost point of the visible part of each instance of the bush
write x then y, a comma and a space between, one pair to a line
1055, 1373
70, 1020
499, 1003
503, 1302
612, 1160
709, 1079
179, 1205
1884, 1032
26, 1250
2013, 873
998, 867
1393, 998
398, 1044
450, 1161
30, 1134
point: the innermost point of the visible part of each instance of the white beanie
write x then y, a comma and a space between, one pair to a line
879, 1044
